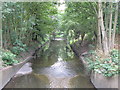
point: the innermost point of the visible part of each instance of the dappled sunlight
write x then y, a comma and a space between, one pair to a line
62, 7
59, 39
60, 59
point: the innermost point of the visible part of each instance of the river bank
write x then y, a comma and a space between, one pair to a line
6, 73
96, 78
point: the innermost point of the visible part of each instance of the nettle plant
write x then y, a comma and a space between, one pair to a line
107, 66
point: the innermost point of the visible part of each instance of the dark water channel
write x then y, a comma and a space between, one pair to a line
58, 67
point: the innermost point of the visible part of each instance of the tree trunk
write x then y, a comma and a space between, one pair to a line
82, 36
114, 27
110, 27
107, 17
99, 46
102, 29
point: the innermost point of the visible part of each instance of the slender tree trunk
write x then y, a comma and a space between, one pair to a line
102, 29
82, 36
114, 27
106, 21
99, 46
110, 26
104, 36
107, 17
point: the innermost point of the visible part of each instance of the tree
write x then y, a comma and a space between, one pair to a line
102, 33
114, 27
92, 22
106, 31
81, 18
27, 22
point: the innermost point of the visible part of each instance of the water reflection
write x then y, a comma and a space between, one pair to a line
56, 68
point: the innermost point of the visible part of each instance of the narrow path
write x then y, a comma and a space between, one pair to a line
56, 68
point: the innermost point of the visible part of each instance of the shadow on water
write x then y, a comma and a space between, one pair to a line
57, 67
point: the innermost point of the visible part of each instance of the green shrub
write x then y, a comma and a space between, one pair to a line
9, 58
115, 55
108, 66
18, 47
17, 50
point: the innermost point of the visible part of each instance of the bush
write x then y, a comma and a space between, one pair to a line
9, 58
17, 50
107, 66
18, 47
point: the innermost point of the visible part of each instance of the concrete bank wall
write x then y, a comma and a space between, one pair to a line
100, 81
7, 73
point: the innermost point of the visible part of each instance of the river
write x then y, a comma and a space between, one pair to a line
57, 67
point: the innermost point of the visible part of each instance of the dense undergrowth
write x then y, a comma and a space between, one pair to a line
13, 55
9, 56
108, 66
18, 47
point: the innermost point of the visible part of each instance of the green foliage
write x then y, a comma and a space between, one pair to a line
108, 66
26, 22
79, 18
18, 47
9, 58
92, 52
17, 50
19, 43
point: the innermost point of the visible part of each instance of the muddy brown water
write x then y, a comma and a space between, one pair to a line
57, 67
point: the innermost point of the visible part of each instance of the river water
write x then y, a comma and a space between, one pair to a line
57, 67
